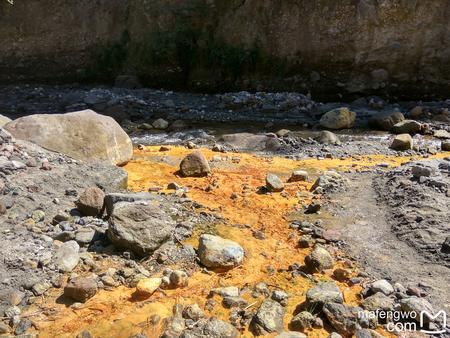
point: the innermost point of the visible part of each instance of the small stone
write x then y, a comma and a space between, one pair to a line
383, 286
217, 252
193, 312
407, 127
178, 279
341, 274
273, 183
339, 118
282, 132
81, 289
280, 297
445, 145
302, 321
378, 301
12, 311
38, 216
23, 326
90, 201
3, 328
230, 302
313, 208
291, 334
66, 257
194, 164
327, 137
319, 259
147, 286
229, 291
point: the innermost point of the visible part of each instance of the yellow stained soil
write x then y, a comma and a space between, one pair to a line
117, 313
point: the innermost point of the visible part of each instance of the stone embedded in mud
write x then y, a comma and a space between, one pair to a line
322, 293
273, 183
81, 289
194, 164
90, 201
407, 127
217, 252
268, 319
402, 142
339, 118
319, 259
141, 228
218, 328
147, 286
66, 257
327, 137
83, 135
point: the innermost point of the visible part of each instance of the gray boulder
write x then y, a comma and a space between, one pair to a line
407, 127
383, 286
194, 164
402, 142
217, 252
327, 137
339, 118
66, 257
268, 319
273, 183
141, 228
322, 293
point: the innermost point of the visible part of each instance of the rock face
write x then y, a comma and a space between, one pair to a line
139, 228
268, 319
339, 118
402, 142
367, 33
217, 252
83, 135
195, 164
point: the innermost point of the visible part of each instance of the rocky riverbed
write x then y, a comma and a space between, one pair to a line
237, 214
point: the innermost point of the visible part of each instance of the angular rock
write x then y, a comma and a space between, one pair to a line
339, 118
90, 201
302, 321
299, 176
407, 127
194, 164
445, 145
342, 317
220, 329
83, 135
378, 301
417, 305
147, 286
66, 257
273, 183
322, 293
141, 228
81, 289
268, 319
402, 142
217, 252
319, 259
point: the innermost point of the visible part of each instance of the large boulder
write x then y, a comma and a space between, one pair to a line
141, 228
195, 164
83, 135
339, 118
217, 252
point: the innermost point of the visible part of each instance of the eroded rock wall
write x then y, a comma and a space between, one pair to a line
324, 46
